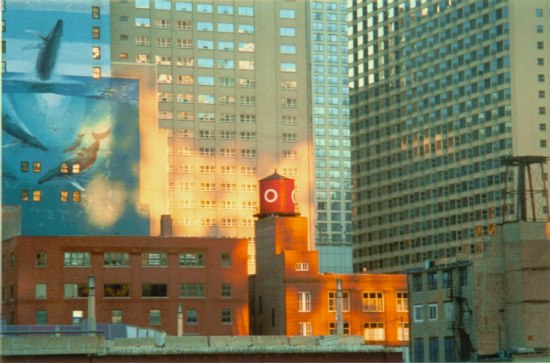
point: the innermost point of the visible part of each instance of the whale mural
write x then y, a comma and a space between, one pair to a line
49, 48
14, 128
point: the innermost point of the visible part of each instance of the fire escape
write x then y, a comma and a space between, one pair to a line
462, 312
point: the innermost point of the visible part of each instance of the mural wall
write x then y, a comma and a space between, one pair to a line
70, 141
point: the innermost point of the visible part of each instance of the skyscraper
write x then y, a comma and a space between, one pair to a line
440, 92
233, 99
331, 142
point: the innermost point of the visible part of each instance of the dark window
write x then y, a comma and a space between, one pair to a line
417, 282
446, 279
192, 290
96, 34
434, 349
24, 166
154, 290
227, 316
116, 259
41, 317
432, 280
419, 350
226, 260
450, 355
463, 276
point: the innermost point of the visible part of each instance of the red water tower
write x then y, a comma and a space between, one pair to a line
277, 195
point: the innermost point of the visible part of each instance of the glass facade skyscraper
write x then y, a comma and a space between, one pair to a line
331, 142
440, 91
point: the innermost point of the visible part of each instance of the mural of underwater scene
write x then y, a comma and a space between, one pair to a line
70, 154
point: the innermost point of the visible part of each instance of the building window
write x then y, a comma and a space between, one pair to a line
226, 291
434, 349
374, 331
448, 306
463, 276
76, 196
446, 283
116, 290
540, 45
432, 312
154, 317
302, 266
192, 290
332, 301
116, 259
73, 290
419, 350
96, 34
96, 53
402, 301
154, 259
543, 143
154, 290
373, 301
332, 329
24, 195
403, 331
227, 316
77, 259
24, 166
96, 72
305, 328
450, 355
192, 316
418, 313
432, 280
225, 260
95, 12
191, 259
40, 291
36, 167
41, 259
417, 282
41, 317
116, 316
36, 195
542, 110
304, 301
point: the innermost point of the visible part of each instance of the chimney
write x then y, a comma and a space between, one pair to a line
339, 308
166, 225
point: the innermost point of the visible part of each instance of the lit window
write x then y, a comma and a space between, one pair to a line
305, 328
374, 331
96, 53
304, 301
373, 301
96, 72
402, 301
95, 12
36, 167
64, 196
332, 301
36, 196
402, 331
76, 196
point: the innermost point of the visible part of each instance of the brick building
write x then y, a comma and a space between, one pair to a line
290, 297
139, 281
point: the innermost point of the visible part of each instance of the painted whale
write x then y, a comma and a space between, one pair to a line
78, 164
13, 127
49, 47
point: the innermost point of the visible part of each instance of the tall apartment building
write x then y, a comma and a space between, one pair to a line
440, 92
233, 99
331, 142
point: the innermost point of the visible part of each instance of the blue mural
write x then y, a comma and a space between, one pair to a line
70, 143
